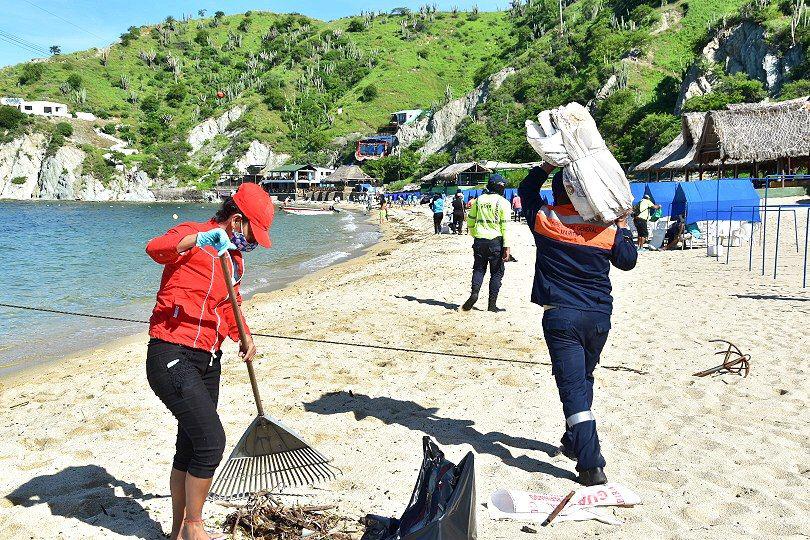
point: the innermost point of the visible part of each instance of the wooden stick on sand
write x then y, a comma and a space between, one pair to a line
558, 509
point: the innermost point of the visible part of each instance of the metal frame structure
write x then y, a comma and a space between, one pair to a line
779, 209
764, 208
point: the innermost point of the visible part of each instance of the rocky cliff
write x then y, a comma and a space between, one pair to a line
27, 173
20, 163
440, 127
204, 141
130, 187
741, 48
61, 175
260, 154
212, 127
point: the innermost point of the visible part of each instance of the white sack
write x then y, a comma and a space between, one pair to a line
567, 137
536, 507
735, 231
659, 233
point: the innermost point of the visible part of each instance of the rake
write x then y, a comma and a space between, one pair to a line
269, 456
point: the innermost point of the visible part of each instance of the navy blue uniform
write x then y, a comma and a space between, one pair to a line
572, 282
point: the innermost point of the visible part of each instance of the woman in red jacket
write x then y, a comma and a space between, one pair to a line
191, 319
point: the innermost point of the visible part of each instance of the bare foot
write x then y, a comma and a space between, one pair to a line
195, 530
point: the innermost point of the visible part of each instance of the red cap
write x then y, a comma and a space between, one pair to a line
255, 204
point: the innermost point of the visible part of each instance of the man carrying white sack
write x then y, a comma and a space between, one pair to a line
572, 284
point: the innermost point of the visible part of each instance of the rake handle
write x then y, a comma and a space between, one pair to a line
240, 324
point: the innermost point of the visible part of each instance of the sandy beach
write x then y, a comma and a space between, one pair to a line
85, 446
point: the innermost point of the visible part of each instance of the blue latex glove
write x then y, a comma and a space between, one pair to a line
216, 238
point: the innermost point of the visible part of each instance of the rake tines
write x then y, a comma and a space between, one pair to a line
244, 476
734, 361
270, 457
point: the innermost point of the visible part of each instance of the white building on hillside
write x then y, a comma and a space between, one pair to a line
39, 108
401, 118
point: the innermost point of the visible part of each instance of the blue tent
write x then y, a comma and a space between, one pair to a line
400, 195
689, 201
637, 189
662, 193
724, 199
470, 193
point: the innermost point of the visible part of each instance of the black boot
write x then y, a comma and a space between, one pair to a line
493, 300
468, 305
592, 477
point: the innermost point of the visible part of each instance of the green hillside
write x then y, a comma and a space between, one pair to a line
306, 82
445, 51
646, 45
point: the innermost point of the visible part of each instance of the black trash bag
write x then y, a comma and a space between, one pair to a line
442, 506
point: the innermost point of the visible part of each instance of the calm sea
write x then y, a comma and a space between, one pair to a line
89, 257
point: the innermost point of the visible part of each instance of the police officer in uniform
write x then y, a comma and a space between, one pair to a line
486, 222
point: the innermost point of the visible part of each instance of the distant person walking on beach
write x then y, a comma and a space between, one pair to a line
191, 319
572, 283
516, 207
459, 212
383, 210
641, 217
437, 205
486, 222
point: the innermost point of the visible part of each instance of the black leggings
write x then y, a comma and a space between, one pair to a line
437, 222
187, 381
458, 223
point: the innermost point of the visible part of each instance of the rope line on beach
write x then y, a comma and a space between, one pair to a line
291, 338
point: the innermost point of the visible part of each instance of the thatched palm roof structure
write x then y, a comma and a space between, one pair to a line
692, 125
749, 133
349, 174
452, 172
681, 151
657, 161
759, 132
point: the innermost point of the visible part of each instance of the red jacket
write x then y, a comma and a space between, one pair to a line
192, 306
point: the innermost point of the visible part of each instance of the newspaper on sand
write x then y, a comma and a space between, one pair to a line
536, 507
567, 137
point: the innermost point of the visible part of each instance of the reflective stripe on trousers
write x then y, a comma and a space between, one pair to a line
575, 339
584, 416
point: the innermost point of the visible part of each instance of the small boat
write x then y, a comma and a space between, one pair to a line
308, 211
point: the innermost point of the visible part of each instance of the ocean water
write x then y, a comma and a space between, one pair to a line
89, 257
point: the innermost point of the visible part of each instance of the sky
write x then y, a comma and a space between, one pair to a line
82, 24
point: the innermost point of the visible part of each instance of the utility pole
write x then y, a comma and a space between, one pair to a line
561, 17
